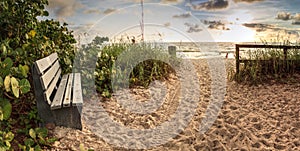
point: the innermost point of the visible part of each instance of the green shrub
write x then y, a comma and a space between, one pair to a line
101, 63
23, 40
118, 61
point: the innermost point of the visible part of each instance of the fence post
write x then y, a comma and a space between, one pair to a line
237, 58
285, 58
285, 52
172, 50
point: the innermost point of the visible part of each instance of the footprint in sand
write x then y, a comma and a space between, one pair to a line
258, 126
256, 145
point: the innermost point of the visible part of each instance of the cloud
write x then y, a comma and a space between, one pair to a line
259, 27
248, 1
192, 28
288, 16
284, 16
64, 8
171, 1
184, 15
296, 19
210, 5
82, 27
217, 25
216, 4
92, 11
109, 10
271, 32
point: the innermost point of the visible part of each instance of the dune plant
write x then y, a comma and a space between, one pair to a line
23, 40
269, 63
97, 63
141, 74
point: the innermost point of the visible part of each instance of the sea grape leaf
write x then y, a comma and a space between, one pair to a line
7, 63
15, 86
6, 108
32, 33
32, 133
1, 115
1, 82
26, 68
7, 83
24, 86
23, 71
37, 148
9, 136
29, 142
7, 143
41, 132
4, 51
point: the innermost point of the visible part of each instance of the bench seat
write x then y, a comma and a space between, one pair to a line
59, 97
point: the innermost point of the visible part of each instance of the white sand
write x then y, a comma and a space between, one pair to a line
264, 117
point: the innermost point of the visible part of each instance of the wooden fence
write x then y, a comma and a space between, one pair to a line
238, 46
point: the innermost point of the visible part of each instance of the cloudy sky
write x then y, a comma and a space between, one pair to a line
181, 20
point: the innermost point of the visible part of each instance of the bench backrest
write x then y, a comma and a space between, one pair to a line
49, 71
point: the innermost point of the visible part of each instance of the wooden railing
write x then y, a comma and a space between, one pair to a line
238, 46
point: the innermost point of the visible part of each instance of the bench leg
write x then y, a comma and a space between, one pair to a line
68, 117
45, 113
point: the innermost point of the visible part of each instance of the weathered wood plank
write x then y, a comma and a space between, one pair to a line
237, 59
58, 98
68, 117
53, 57
53, 84
68, 92
266, 46
238, 46
49, 75
46, 62
77, 91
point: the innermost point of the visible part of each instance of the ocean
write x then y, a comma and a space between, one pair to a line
198, 50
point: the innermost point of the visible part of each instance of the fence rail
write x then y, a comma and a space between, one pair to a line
238, 46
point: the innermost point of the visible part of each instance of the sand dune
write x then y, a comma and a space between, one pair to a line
263, 117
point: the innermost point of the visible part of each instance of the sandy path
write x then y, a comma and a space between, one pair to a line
264, 117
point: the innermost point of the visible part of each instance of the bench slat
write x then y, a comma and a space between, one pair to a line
68, 93
77, 91
53, 84
58, 98
49, 75
46, 62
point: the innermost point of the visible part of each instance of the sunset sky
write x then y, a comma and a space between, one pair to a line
181, 20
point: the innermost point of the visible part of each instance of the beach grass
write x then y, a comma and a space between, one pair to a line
265, 64
141, 73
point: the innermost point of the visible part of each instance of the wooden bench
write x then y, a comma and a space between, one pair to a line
58, 97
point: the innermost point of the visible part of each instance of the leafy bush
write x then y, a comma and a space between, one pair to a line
37, 138
23, 40
115, 61
138, 74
